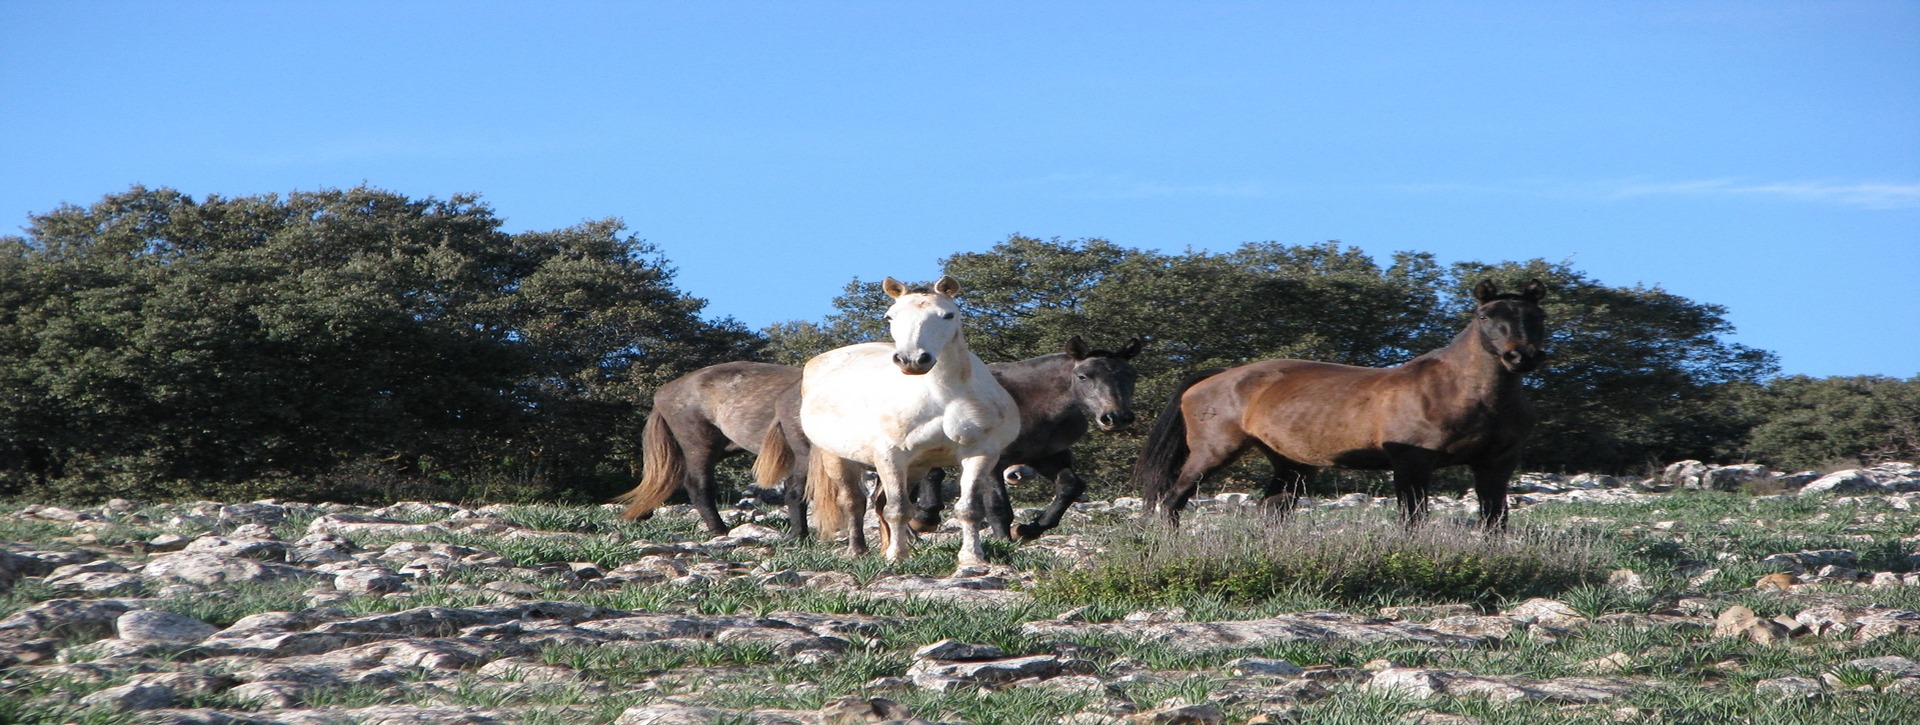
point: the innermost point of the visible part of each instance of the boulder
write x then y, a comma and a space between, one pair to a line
155, 625
1851, 481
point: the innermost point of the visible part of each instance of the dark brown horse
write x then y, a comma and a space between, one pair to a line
1460, 405
705, 416
1060, 396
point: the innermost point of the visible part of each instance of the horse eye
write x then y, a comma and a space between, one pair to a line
947, 316
1082, 377
888, 318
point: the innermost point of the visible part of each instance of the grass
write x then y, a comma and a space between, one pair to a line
1363, 557
1215, 567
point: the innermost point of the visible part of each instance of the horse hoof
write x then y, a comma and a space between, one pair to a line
923, 527
1027, 532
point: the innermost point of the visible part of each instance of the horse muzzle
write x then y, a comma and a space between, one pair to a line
1115, 420
914, 365
1520, 361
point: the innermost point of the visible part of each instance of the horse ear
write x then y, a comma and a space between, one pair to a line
1534, 291
1132, 349
1486, 291
1077, 348
947, 286
893, 288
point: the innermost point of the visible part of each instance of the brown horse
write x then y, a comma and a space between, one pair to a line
1460, 404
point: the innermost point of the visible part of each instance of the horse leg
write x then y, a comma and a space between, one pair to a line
1208, 454
795, 488
995, 504
1067, 487
1288, 484
891, 496
974, 473
1490, 486
701, 460
927, 502
1412, 470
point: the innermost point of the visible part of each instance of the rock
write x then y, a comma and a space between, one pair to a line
1422, 684
1172, 614
99, 578
1778, 580
128, 698
937, 675
860, 711
1180, 714
1251, 666
1738, 621
1789, 687
668, 714
1617, 662
1851, 481
1733, 478
513, 588
1626, 580
154, 625
71, 618
954, 650
756, 533
256, 548
1801, 562
1252, 634
1476, 626
1550, 612
1685, 474
215, 570
1428, 613
1409, 682
369, 580
1891, 665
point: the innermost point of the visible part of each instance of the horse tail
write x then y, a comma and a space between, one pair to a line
827, 493
1165, 449
663, 468
775, 460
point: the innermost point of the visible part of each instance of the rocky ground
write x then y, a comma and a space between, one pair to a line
1758, 597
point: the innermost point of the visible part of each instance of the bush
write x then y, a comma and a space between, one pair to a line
1368, 556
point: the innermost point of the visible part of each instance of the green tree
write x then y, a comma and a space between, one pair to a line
1802, 422
158, 344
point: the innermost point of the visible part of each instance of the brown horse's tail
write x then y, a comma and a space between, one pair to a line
775, 460
664, 467
1165, 449
833, 493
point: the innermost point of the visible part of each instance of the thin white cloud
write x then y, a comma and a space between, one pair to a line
1872, 195
1867, 195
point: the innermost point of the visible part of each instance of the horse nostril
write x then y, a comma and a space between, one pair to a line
898, 360
1106, 419
924, 359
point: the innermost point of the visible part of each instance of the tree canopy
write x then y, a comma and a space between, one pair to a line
155, 340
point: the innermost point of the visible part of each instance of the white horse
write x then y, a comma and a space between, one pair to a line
903, 408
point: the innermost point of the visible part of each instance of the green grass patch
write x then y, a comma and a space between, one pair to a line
1356, 557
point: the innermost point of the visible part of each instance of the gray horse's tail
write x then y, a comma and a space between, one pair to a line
664, 467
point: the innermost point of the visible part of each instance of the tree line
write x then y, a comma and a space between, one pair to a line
360, 345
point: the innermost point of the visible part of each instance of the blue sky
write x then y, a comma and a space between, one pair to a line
1762, 156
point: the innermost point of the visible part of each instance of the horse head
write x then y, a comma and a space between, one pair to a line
1512, 326
1103, 382
923, 323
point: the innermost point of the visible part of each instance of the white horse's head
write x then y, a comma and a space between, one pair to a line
922, 323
